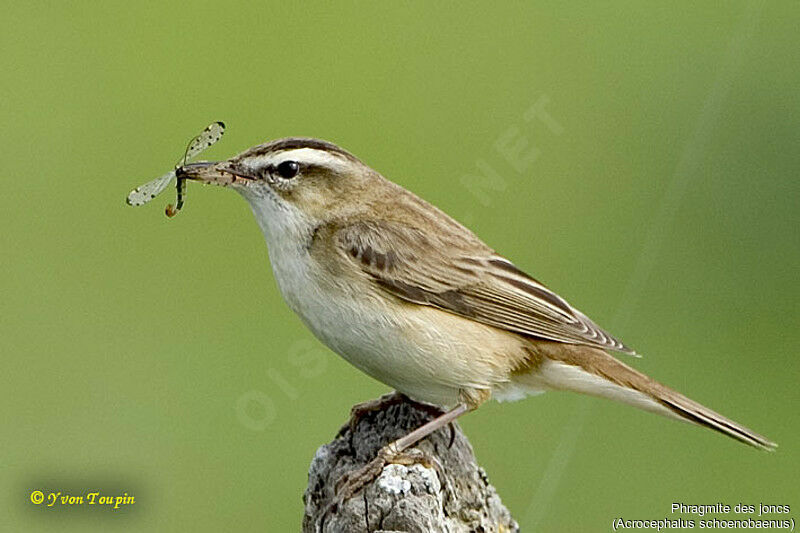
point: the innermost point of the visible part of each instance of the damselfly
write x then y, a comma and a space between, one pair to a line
144, 193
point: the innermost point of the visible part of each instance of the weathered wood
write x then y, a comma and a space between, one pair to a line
404, 498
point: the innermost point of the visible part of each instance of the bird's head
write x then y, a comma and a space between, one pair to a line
294, 183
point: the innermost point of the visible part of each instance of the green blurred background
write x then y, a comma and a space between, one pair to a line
155, 356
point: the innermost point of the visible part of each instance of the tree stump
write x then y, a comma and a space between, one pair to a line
457, 498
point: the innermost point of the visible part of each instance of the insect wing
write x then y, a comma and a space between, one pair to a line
207, 137
144, 193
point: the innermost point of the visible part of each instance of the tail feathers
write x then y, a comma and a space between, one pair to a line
703, 416
592, 371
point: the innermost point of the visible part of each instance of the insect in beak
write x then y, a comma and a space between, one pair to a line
219, 173
144, 193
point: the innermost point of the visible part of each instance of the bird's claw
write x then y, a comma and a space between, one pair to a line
360, 410
353, 482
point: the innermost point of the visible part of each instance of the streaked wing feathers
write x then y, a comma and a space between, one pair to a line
470, 280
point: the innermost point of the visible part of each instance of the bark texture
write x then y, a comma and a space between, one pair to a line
457, 498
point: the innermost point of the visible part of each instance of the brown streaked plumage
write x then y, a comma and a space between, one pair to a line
486, 288
416, 300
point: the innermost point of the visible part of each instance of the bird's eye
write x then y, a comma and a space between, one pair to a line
288, 169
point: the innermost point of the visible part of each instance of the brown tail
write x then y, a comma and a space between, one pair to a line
694, 412
593, 371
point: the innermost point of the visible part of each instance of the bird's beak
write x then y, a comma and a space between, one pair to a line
217, 172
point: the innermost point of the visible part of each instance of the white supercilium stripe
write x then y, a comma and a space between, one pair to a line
308, 156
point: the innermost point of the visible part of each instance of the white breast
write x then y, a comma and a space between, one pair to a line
361, 330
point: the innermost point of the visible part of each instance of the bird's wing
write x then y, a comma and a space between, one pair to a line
468, 279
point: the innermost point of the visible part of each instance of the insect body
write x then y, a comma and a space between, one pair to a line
144, 193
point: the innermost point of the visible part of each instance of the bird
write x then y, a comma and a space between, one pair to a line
417, 301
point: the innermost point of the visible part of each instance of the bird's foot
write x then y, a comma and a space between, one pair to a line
353, 482
360, 410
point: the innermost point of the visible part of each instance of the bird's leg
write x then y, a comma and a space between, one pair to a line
396, 452
403, 443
